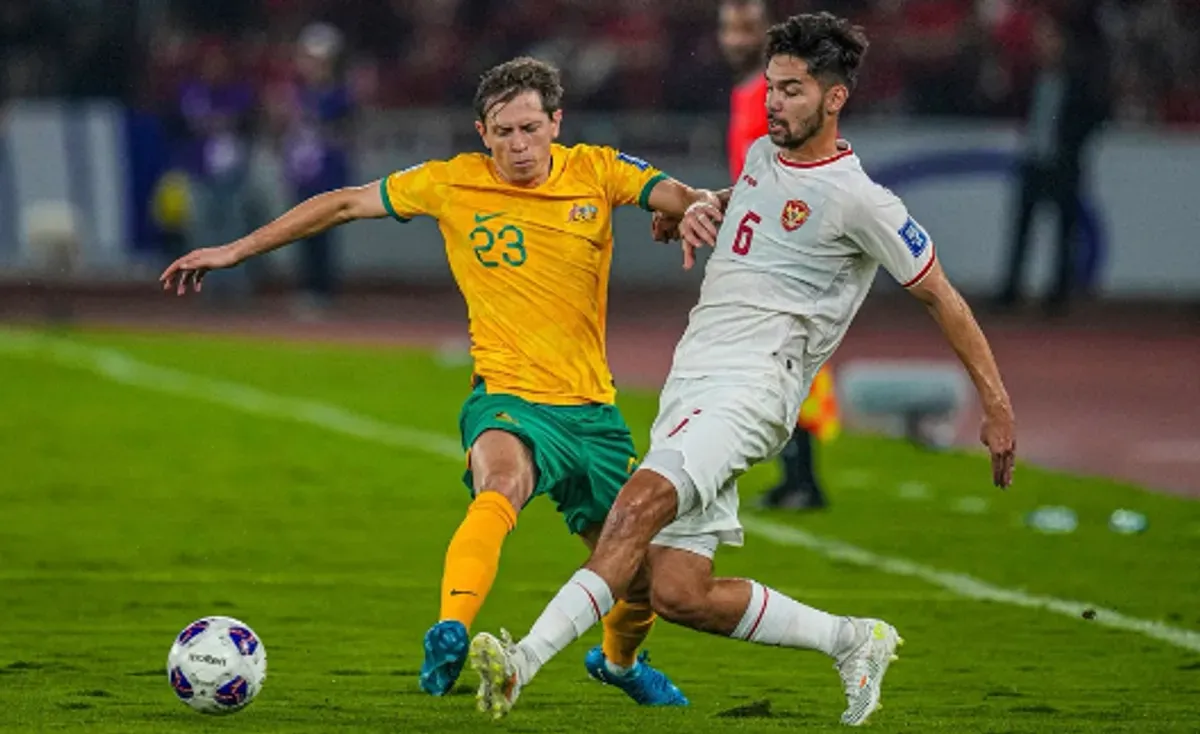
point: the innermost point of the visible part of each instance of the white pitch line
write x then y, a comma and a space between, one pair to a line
968, 586
121, 368
913, 490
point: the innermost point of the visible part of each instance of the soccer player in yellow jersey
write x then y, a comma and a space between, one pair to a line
528, 233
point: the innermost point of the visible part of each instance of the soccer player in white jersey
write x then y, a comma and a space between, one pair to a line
804, 231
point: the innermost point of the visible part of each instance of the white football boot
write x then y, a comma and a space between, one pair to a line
495, 660
863, 667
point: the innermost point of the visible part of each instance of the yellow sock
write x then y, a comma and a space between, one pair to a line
625, 629
474, 556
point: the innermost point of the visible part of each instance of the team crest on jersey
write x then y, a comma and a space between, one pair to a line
583, 213
795, 214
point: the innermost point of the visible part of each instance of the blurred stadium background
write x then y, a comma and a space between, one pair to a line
133, 130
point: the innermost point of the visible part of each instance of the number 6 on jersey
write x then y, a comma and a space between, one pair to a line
745, 233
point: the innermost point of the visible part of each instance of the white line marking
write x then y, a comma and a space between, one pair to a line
116, 366
970, 505
967, 586
913, 490
120, 367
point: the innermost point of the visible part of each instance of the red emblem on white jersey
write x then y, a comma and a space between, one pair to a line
795, 213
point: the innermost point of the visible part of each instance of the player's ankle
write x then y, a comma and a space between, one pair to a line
526, 663
848, 638
617, 670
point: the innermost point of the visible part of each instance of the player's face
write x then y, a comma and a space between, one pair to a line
742, 33
519, 134
797, 107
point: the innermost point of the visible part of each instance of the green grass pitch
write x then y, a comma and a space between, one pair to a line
128, 510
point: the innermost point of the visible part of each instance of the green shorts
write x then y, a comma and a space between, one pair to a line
583, 454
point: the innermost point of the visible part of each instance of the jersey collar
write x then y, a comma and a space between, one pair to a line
844, 150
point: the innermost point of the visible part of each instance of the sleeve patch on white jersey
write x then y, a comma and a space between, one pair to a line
914, 237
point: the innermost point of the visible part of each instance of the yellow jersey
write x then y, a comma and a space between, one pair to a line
532, 262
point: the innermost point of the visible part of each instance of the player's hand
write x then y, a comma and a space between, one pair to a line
699, 228
999, 434
192, 267
664, 228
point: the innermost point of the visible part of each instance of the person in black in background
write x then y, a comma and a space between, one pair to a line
316, 151
1069, 101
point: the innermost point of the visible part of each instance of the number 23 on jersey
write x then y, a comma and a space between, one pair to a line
485, 239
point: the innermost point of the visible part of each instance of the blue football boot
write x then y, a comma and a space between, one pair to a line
445, 653
642, 683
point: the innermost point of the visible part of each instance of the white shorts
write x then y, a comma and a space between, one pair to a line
709, 431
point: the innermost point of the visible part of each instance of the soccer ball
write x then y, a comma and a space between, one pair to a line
217, 665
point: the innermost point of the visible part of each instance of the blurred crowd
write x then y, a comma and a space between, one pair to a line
244, 101
929, 57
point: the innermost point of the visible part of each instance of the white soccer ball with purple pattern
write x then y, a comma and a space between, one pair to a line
217, 665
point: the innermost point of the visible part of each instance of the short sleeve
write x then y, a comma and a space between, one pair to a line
881, 225
627, 180
414, 191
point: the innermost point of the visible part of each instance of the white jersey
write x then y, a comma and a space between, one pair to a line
795, 256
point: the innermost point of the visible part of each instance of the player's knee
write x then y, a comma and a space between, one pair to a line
501, 463
514, 484
679, 601
645, 505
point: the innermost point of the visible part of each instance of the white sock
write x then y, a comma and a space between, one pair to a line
581, 603
773, 618
620, 671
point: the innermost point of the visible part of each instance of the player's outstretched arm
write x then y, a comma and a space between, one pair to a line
310, 217
961, 329
673, 198
665, 228
689, 215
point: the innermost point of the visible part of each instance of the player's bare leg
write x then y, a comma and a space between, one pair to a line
503, 473
684, 592
631, 619
615, 661
645, 505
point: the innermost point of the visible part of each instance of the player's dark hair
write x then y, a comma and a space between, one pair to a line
832, 47
501, 84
